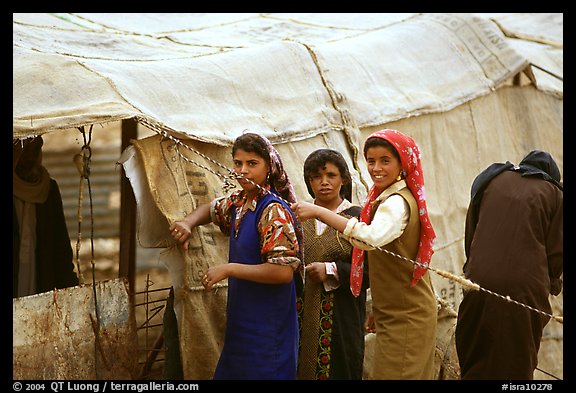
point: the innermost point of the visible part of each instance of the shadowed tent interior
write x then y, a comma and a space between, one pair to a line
471, 89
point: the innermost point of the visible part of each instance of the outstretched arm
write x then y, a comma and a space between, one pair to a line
306, 211
265, 273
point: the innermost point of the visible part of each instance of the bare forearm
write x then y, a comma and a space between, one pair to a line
265, 273
307, 210
200, 216
332, 219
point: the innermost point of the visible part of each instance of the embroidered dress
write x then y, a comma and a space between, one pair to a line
261, 339
331, 321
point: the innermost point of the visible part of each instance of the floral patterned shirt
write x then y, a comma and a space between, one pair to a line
278, 241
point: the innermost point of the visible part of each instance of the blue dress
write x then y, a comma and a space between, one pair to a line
261, 339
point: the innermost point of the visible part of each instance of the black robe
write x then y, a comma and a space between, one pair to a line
514, 247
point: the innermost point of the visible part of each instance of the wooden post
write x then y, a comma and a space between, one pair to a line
127, 266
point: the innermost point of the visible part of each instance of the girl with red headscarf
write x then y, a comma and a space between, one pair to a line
394, 218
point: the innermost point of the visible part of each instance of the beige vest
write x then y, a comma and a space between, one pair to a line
405, 317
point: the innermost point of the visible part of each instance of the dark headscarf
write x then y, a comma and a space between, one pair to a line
537, 163
541, 164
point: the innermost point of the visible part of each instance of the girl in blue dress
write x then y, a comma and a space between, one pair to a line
261, 339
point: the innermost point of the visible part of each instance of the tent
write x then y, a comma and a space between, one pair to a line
471, 89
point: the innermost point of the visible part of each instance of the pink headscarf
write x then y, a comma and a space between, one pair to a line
412, 169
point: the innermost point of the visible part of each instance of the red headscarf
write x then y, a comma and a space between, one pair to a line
412, 169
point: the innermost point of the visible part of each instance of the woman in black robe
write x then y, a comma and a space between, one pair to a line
514, 247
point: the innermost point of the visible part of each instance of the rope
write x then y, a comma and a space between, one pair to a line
227, 178
84, 170
459, 279
548, 72
547, 373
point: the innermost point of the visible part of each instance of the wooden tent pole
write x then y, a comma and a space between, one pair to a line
127, 267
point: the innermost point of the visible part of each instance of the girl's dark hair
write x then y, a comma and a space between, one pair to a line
252, 143
277, 176
373, 142
318, 160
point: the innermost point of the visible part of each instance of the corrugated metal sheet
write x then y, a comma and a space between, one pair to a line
55, 334
105, 186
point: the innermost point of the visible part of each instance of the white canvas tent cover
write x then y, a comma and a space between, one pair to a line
471, 89
209, 76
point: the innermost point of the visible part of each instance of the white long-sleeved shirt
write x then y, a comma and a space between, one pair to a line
388, 223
